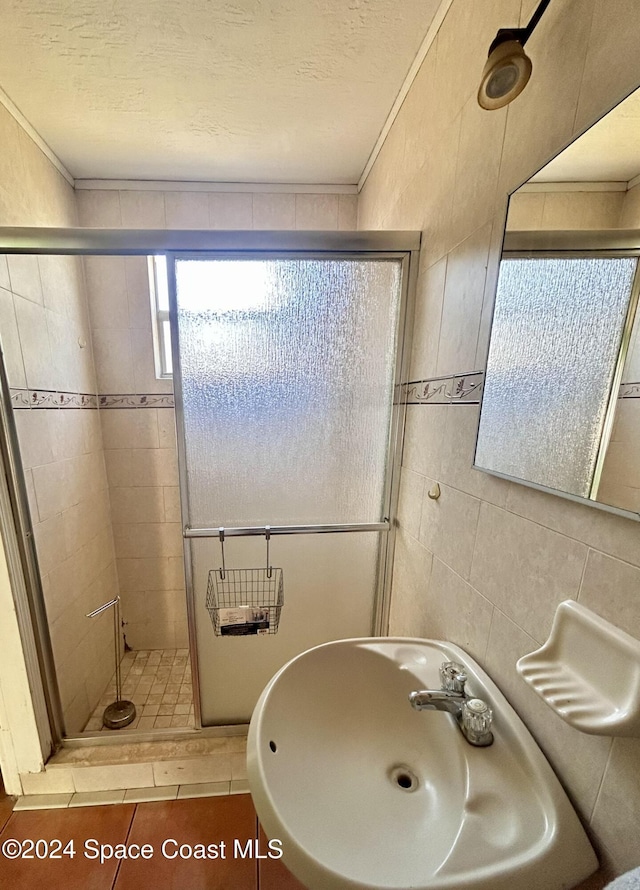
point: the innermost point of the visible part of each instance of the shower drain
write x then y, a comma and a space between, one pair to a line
404, 778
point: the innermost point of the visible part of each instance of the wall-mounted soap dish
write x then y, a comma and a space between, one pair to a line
588, 671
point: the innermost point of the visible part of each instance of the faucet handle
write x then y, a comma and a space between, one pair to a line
452, 676
476, 718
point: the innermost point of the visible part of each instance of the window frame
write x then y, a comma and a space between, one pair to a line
160, 325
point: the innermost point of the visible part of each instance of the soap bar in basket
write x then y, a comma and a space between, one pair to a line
243, 620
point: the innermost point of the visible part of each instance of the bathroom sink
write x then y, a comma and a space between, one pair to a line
365, 792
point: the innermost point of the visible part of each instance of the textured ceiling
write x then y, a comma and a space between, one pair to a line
608, 152
246, 90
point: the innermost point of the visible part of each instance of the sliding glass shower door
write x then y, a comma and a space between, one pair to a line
284, 372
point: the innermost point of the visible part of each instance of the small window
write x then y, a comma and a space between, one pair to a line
160, 315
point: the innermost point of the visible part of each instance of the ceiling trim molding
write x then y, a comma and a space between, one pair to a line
612, 186
633, 182
434, 27
33, 134
161, 185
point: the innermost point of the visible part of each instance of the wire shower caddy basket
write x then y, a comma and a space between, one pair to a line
244, 602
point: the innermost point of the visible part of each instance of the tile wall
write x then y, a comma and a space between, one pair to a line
46, 343
47, 346
630, 214
620, 480
69, 502
574, 210
140, 442
566, 210
152, 209
140, 452
142, 470
32, 191
486, 565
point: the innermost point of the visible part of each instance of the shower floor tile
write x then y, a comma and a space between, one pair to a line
158, 682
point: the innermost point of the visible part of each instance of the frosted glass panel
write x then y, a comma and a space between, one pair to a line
329, 582
287, 377
555, 338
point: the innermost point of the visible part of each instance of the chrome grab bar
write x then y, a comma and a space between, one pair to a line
103, 607
262, 530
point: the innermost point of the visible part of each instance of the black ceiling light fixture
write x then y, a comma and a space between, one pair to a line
508, 67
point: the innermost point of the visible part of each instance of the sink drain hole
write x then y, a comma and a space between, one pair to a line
404, 778
273, 746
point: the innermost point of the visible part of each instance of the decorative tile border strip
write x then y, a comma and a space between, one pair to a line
436, 391
47, 398
137, 400
53, 399
466, 389
20, 398
459, 389
629, 391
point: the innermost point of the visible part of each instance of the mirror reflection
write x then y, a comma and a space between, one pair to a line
561, 404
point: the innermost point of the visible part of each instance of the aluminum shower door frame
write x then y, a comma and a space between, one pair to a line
404, 245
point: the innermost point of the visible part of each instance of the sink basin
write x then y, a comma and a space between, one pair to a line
365, 792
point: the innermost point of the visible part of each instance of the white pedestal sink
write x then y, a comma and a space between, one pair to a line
365, 792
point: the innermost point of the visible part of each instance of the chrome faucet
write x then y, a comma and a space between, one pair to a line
473, 716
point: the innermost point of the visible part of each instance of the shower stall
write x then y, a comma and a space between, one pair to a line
236, 496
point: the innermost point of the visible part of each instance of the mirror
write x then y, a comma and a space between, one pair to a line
561, 403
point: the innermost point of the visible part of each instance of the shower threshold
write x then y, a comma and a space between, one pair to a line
158, 682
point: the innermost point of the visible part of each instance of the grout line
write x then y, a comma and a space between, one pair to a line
423, 484
215, 187
445, 260
570, 186
491, 294
71, 795
604, 772
126, 841
412, 73
575, 135
35, 137
582, 574
475, 589
535, 642
455, 487
557, 532
486, 645
475, 541
257, 860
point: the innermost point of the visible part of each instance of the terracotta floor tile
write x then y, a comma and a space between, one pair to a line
274, 875
6, 806
107, 824
207, 820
